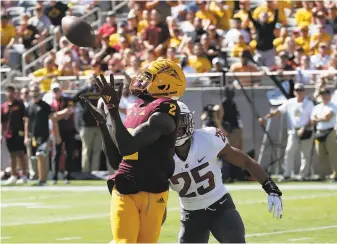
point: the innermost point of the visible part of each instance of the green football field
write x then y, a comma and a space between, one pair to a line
79, 213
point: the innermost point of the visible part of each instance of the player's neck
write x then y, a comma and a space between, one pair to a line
182, 151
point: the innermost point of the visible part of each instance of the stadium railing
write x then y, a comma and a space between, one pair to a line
5, 75
50, 40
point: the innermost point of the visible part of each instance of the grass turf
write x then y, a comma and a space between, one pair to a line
67, 216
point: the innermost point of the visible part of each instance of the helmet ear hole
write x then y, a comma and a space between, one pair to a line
162, 87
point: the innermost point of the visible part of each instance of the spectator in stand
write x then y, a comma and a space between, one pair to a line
89, 132
163, 7
8, 34
289, 46
210, 50
25, 96
332, 17
320, 18
187, 69
110, 27
187, 26
56, 10
28, 34
175, 39
132, 23
156, 35
232, 36
13, 131
322, 58
244, 66
217, 66
303, 76
304, 15
199, 60
324, 117
149, 57
242, 14
134, 68
265, 52
171, 54
205, 14
240, 46
122, 30
65, 45
333, 62
62, 105
40, 21
106, 50
84, 58
45, 75
215, 39
38, 115
279, 41
223, 11
179, 11
126, 57
144, 23
317, 38
115, 65
303, 40
269, 8
96, 69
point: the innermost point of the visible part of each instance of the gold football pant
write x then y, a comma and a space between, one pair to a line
137, 218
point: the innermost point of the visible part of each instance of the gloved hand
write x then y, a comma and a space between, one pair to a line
274, 198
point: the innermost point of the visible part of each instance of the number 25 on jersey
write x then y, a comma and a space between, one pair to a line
195, 173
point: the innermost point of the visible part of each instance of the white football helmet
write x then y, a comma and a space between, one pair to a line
186, 125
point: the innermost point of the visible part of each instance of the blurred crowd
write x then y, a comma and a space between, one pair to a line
201, 36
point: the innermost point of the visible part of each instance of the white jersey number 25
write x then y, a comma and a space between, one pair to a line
197, 179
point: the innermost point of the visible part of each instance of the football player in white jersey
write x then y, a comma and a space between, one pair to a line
206, 205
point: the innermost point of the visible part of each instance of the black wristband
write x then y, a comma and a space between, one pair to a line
269, 187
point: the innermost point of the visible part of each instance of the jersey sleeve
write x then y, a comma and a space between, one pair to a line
218, 139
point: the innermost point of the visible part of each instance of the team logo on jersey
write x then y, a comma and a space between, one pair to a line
161, 200
219, 133
142, 113
200, 160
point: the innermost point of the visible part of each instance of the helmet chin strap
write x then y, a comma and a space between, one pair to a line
180, 142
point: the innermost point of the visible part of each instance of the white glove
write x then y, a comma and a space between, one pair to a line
276, 201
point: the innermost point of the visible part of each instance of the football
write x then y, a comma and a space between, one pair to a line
78, 31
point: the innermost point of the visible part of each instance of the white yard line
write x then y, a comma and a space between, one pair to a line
96, 216
5, 237
69, 238
300, 239
103, 188
292, 231
55, 220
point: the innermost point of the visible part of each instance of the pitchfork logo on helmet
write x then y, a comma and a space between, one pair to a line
186, 125
161, 78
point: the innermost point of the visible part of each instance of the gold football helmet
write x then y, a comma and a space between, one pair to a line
161, 78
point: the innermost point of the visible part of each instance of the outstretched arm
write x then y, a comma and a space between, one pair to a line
242, 160
239, 158
159, 123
